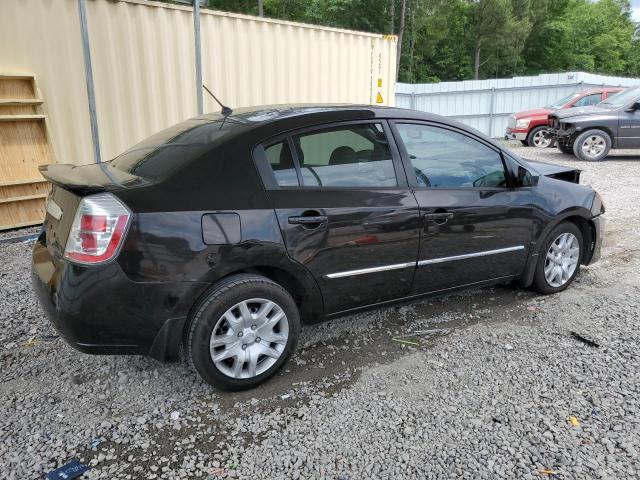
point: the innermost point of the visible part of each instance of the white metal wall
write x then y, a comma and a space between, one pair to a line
143, 56
487, 104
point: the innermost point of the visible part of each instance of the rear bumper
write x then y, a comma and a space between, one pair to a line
99, 310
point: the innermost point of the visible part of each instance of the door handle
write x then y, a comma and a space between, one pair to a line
308, 220
440, 218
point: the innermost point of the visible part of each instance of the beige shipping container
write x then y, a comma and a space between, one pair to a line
143, 56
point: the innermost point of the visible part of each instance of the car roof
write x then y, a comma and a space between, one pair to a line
287, 117
271, 113
588, 91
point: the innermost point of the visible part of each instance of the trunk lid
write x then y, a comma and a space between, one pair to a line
86, 179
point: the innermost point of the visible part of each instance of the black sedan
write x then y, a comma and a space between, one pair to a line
217, 237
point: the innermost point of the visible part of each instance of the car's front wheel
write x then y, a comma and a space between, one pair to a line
559, 259
592, 145
538, 138
242, 332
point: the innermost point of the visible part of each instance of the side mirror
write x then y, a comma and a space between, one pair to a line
526, 178
634, 107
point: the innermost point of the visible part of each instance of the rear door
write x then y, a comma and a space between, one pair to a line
476, 225
345, 210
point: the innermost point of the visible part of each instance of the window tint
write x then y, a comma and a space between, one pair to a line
349, 156
588, 100
281, 164
443, 158
167, 151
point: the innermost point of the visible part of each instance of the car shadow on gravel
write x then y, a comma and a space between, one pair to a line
332, 354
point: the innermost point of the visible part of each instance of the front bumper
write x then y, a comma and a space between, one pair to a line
598, 233
99, 310
558, 134
515, 134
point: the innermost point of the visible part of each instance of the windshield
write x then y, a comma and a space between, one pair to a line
624, 98
564, 100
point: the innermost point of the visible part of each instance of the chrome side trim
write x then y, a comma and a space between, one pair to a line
470, 255
399, 266
362, 271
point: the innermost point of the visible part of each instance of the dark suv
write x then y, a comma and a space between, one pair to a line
591, 132
221, 234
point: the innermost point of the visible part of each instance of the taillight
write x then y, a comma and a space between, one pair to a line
98, 229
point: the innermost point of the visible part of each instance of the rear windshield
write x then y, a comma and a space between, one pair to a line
172, 148
624, 98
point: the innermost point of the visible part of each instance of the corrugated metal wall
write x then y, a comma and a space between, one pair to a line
144, 66
43, 38
487, 104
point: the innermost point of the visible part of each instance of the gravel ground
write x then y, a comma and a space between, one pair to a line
491, 396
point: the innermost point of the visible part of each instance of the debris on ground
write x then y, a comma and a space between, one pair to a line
71, 470
548, 472
405, 342
424, 333
584, 340
573, 420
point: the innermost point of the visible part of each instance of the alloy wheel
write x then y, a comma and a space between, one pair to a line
562, 259
540, 140
593, 146
249, 338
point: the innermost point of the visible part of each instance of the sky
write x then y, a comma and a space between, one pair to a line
635, 6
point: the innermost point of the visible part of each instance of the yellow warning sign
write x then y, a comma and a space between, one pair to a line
379, 98
379, 83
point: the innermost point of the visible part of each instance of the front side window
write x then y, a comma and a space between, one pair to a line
443, 158
346, 156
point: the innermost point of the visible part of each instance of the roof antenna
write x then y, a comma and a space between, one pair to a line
226, 111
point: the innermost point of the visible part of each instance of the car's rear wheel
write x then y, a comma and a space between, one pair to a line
592, 145
559, 259
537, 138
242, 332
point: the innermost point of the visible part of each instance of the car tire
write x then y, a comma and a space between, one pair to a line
566, 148
592, 146
219, 328
535, 138
524, 143
559, 263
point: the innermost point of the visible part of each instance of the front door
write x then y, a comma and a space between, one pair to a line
345, 211
475, 225
629, 129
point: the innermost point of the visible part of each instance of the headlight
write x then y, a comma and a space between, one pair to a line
522, 123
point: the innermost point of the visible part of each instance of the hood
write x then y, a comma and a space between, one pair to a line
581, 112
536, 112
558, 172
93, 178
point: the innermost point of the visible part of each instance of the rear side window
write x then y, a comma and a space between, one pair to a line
444, 158
281, 164
346, 156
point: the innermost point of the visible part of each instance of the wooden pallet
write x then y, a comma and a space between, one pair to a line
24, 145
